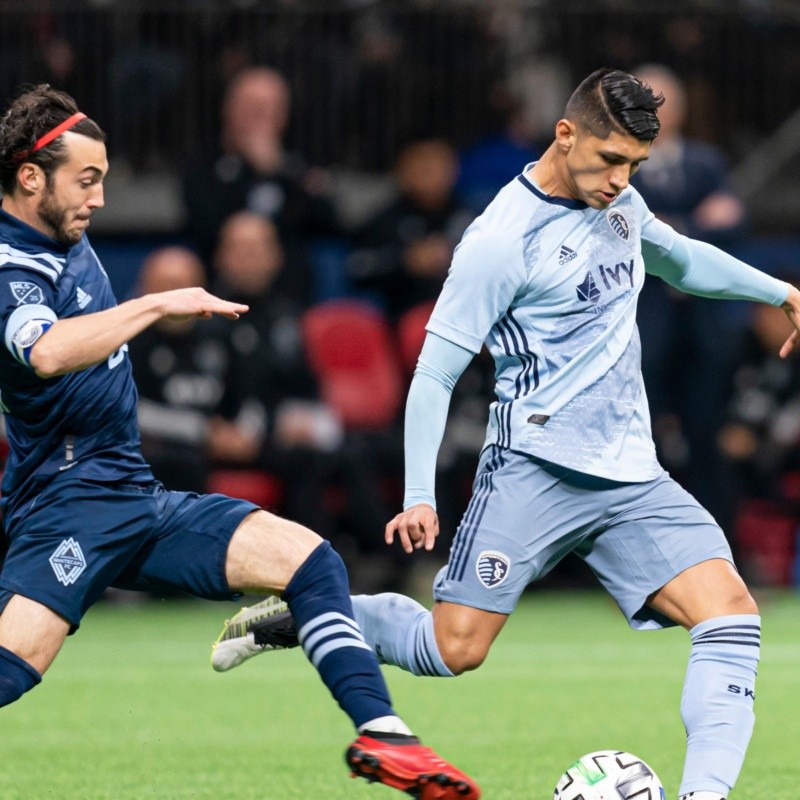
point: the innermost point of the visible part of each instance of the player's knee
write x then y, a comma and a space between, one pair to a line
461, 652
16, 677
740, 601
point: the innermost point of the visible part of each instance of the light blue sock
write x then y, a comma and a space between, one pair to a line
717, 702
400, 631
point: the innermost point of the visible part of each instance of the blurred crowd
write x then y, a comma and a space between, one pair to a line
299, 404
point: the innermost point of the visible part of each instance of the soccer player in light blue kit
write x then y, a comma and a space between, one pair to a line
547, 277
81, 509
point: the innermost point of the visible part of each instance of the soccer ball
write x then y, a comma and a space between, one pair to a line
609, 775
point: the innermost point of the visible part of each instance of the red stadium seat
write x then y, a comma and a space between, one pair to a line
766, 540
411, 333
247, 484
351, 350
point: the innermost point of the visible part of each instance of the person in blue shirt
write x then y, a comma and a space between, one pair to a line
547, 278
80, 506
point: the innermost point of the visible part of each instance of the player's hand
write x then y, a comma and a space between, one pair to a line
792, 309
417, 527
196, 302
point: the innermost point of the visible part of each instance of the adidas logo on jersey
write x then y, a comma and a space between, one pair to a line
83, 298
566, 255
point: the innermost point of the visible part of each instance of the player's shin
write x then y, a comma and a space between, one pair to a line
717, 703
16, 677
400, 631
318, 597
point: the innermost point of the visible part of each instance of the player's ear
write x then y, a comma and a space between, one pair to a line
31, 178
565, 135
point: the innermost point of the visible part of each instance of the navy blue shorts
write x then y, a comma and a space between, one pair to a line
80, 537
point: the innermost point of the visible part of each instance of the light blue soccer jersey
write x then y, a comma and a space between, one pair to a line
550, 285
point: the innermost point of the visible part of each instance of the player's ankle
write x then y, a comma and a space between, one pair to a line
385, 726
391, 738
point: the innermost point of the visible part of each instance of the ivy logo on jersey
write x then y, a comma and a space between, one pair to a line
619, 224
492, 568
68, 562
26, 293
588, 291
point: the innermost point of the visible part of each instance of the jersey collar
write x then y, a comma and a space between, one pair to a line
566, 202
22, 233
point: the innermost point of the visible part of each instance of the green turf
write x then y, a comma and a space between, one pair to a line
131, 710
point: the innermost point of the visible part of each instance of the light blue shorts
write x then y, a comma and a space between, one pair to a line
526, 514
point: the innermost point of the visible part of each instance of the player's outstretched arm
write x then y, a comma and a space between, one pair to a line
439, 367
792, 309
79, 342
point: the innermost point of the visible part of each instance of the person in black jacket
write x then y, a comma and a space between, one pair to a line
252, 170
403, 253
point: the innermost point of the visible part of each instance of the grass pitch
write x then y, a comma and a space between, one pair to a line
132, 710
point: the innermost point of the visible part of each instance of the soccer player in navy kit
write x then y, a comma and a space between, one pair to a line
547, 278
81, 509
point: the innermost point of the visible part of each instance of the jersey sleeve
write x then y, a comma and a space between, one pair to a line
26, 310
485, 275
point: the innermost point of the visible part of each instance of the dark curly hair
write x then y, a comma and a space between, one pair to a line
612, 100
35, 112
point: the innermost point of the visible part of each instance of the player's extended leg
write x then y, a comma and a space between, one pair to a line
30, 637
711, 601
267, 553
446, 641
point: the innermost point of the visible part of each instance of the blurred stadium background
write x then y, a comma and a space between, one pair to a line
366, 78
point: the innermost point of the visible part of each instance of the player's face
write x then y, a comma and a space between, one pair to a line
599, 169
74, 191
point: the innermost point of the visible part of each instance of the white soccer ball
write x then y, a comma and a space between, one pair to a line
609, 775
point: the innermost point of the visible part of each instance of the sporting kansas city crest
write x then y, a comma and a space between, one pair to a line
26, 293
492, 568
619, 224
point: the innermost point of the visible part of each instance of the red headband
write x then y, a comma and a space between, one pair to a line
48, 137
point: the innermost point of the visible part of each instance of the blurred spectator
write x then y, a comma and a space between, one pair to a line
760, 443
403, 253
271, 384
271, 389
252, 171
685, 181
499, 157
181, 371
761, 434
686, 351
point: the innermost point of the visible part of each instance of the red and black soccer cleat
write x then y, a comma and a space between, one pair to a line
412, 768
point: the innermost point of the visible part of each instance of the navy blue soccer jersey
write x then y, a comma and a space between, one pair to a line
82, 423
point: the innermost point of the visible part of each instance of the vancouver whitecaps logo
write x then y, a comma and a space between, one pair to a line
492, 568
68, 562
619, 224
